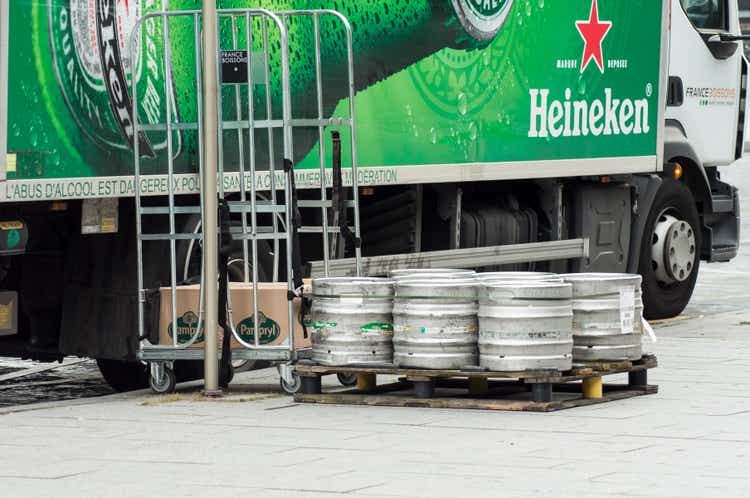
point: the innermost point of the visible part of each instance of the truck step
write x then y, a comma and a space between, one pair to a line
722, 203
723, 253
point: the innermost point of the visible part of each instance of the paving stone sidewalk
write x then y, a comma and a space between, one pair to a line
692, 439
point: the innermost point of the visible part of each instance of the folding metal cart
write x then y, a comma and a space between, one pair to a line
256, 135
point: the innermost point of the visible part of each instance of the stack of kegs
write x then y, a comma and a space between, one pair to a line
606, 316
525, 325
352, 321
435, 323
454, 319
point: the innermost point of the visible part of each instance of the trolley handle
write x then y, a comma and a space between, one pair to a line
338, 197
295, 220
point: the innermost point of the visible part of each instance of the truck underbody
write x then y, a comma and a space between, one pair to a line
77, 293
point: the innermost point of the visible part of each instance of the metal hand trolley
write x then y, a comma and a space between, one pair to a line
269, 213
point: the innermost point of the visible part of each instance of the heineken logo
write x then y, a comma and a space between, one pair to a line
607, 115
322, 325
114, 72
487, 8
269, 329
14, 238
377, 328
575, 118
593, 31
90, 43
187, 326
482, 19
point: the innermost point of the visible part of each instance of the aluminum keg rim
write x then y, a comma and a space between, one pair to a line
429, 271
525, 290
352, 279
466, 290
325, 287
520, 275
440, 276
597, 285
500, 280
523, 284
440, 283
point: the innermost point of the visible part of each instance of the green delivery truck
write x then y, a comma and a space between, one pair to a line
583, 135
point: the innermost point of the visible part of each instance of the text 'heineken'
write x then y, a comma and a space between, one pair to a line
580, 117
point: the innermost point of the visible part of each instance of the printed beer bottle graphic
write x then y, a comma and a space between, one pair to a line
482, 18
93, 63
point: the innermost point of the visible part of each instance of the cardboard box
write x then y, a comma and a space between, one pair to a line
272, 307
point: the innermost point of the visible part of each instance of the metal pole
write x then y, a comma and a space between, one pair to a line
210, 221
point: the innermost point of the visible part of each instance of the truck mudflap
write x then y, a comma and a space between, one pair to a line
646, 187
721, 227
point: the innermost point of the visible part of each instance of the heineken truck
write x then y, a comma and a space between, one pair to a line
585, 135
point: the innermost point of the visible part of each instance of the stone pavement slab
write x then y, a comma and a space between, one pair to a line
691, 439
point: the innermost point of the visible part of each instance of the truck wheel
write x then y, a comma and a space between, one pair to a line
124, 375
189, 256
670, 252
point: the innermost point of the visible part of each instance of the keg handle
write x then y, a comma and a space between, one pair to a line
649, 330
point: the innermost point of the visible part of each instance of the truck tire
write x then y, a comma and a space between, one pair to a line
670, 251
124, 375
189, 257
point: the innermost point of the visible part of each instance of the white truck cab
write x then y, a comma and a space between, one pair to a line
688, 209
707, 65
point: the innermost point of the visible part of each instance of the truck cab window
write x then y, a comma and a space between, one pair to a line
707, 14
745, 16
745, 22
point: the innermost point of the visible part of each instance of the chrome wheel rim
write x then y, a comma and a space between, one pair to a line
673, 247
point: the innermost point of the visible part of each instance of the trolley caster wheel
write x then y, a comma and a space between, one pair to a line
347, 379
291, 387
167, 384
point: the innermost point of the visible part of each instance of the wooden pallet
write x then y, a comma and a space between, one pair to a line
541, 391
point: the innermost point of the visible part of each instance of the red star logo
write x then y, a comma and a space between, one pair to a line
593, 33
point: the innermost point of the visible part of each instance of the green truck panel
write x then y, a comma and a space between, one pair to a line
447, 90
